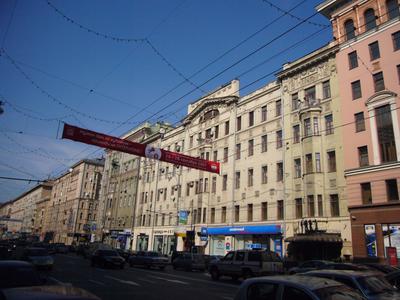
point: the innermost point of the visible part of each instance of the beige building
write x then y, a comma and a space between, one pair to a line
5, 214
313, 151
119, 190
72, 209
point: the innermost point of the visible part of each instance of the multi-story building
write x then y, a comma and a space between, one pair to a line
119, 190
312, 147
368, 61
72, 209
5, 214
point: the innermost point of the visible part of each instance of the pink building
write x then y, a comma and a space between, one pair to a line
368, 64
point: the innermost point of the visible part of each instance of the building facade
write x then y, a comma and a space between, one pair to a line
368, 37
72, 209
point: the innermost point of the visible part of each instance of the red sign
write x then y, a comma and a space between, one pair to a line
391, 253
110, 142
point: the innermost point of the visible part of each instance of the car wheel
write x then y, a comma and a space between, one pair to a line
214, 273
247, 273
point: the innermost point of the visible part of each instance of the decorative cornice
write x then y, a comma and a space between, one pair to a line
369, 169
380, 96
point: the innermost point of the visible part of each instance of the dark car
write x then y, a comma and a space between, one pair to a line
386, 269
372, 285
39, 257
148, 259
124, 253
394, 278
189, 261
345, 266
14, 273
297, 287
61, 248
309, 266
107, 258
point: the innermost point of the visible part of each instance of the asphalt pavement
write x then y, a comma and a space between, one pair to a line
140, 283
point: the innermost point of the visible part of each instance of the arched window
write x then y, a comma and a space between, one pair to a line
370, 20
392, 9
349, 29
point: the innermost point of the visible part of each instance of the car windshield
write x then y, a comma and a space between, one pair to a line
107, 253
338, 293
18, 277
372, 285
37, 252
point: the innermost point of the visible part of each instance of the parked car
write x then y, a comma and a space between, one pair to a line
124, 253
288, 287
61, 248
14, 273
345, 266
371, 285
47, 292
246, 263
386, 269
39, 257
394, 278
309, 266
209, 258
148, 259
189, 261
92, 247
107, 258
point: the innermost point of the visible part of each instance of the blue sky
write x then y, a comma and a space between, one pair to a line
53, 70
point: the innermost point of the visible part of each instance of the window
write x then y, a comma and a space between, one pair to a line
238, 151
309, 164
359, 121
317, 162
374, 50
224, 182
278, 108
356, 89
264, 143
204, 215
353, 60
296, 134
223, 214
396, 40
295, 101
239, 123
264, 113
264, 174
205, 185
279, 171
297, 168
331, 161
316, 125
398, 73
363, 156
335, 211
379, 83
215, 155
294, 293
237, 213
249, 212
326, 90
366, 195
310, 95
226, 154
329, 124
250, 174
311, 205
307, 127
392, 8
264, 211
258, 291
251, 118
391, 190
250, 148
299, 208
212, 219
370, 19
385, 133
191, 141
216, 132
320, 206
213, 185
349, 29
280, 212
208, 133
279, 139
226, 127
237, 180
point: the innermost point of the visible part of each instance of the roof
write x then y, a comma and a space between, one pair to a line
14, 264
344, 272
312, 283
316, 237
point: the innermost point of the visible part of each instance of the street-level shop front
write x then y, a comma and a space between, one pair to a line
220, 240
160, 240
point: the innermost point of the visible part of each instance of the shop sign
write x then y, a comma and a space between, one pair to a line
236, 230
164, 232
183, 217
391, 253
370, 240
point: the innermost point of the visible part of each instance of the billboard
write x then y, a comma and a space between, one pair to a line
110, 142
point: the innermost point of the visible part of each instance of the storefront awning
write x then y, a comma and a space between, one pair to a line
238, 230
319, 237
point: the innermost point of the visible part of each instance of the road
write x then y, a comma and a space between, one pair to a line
139, 283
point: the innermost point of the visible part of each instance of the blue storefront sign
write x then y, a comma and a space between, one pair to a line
278, 246
236, 230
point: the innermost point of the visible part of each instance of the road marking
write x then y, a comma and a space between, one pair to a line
56, 280
123, 281
147, 280
97, 282
170, 280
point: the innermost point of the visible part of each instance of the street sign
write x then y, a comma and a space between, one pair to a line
110, 142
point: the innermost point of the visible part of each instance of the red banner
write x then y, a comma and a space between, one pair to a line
110, 142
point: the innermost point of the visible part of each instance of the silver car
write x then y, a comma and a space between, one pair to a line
39, 257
